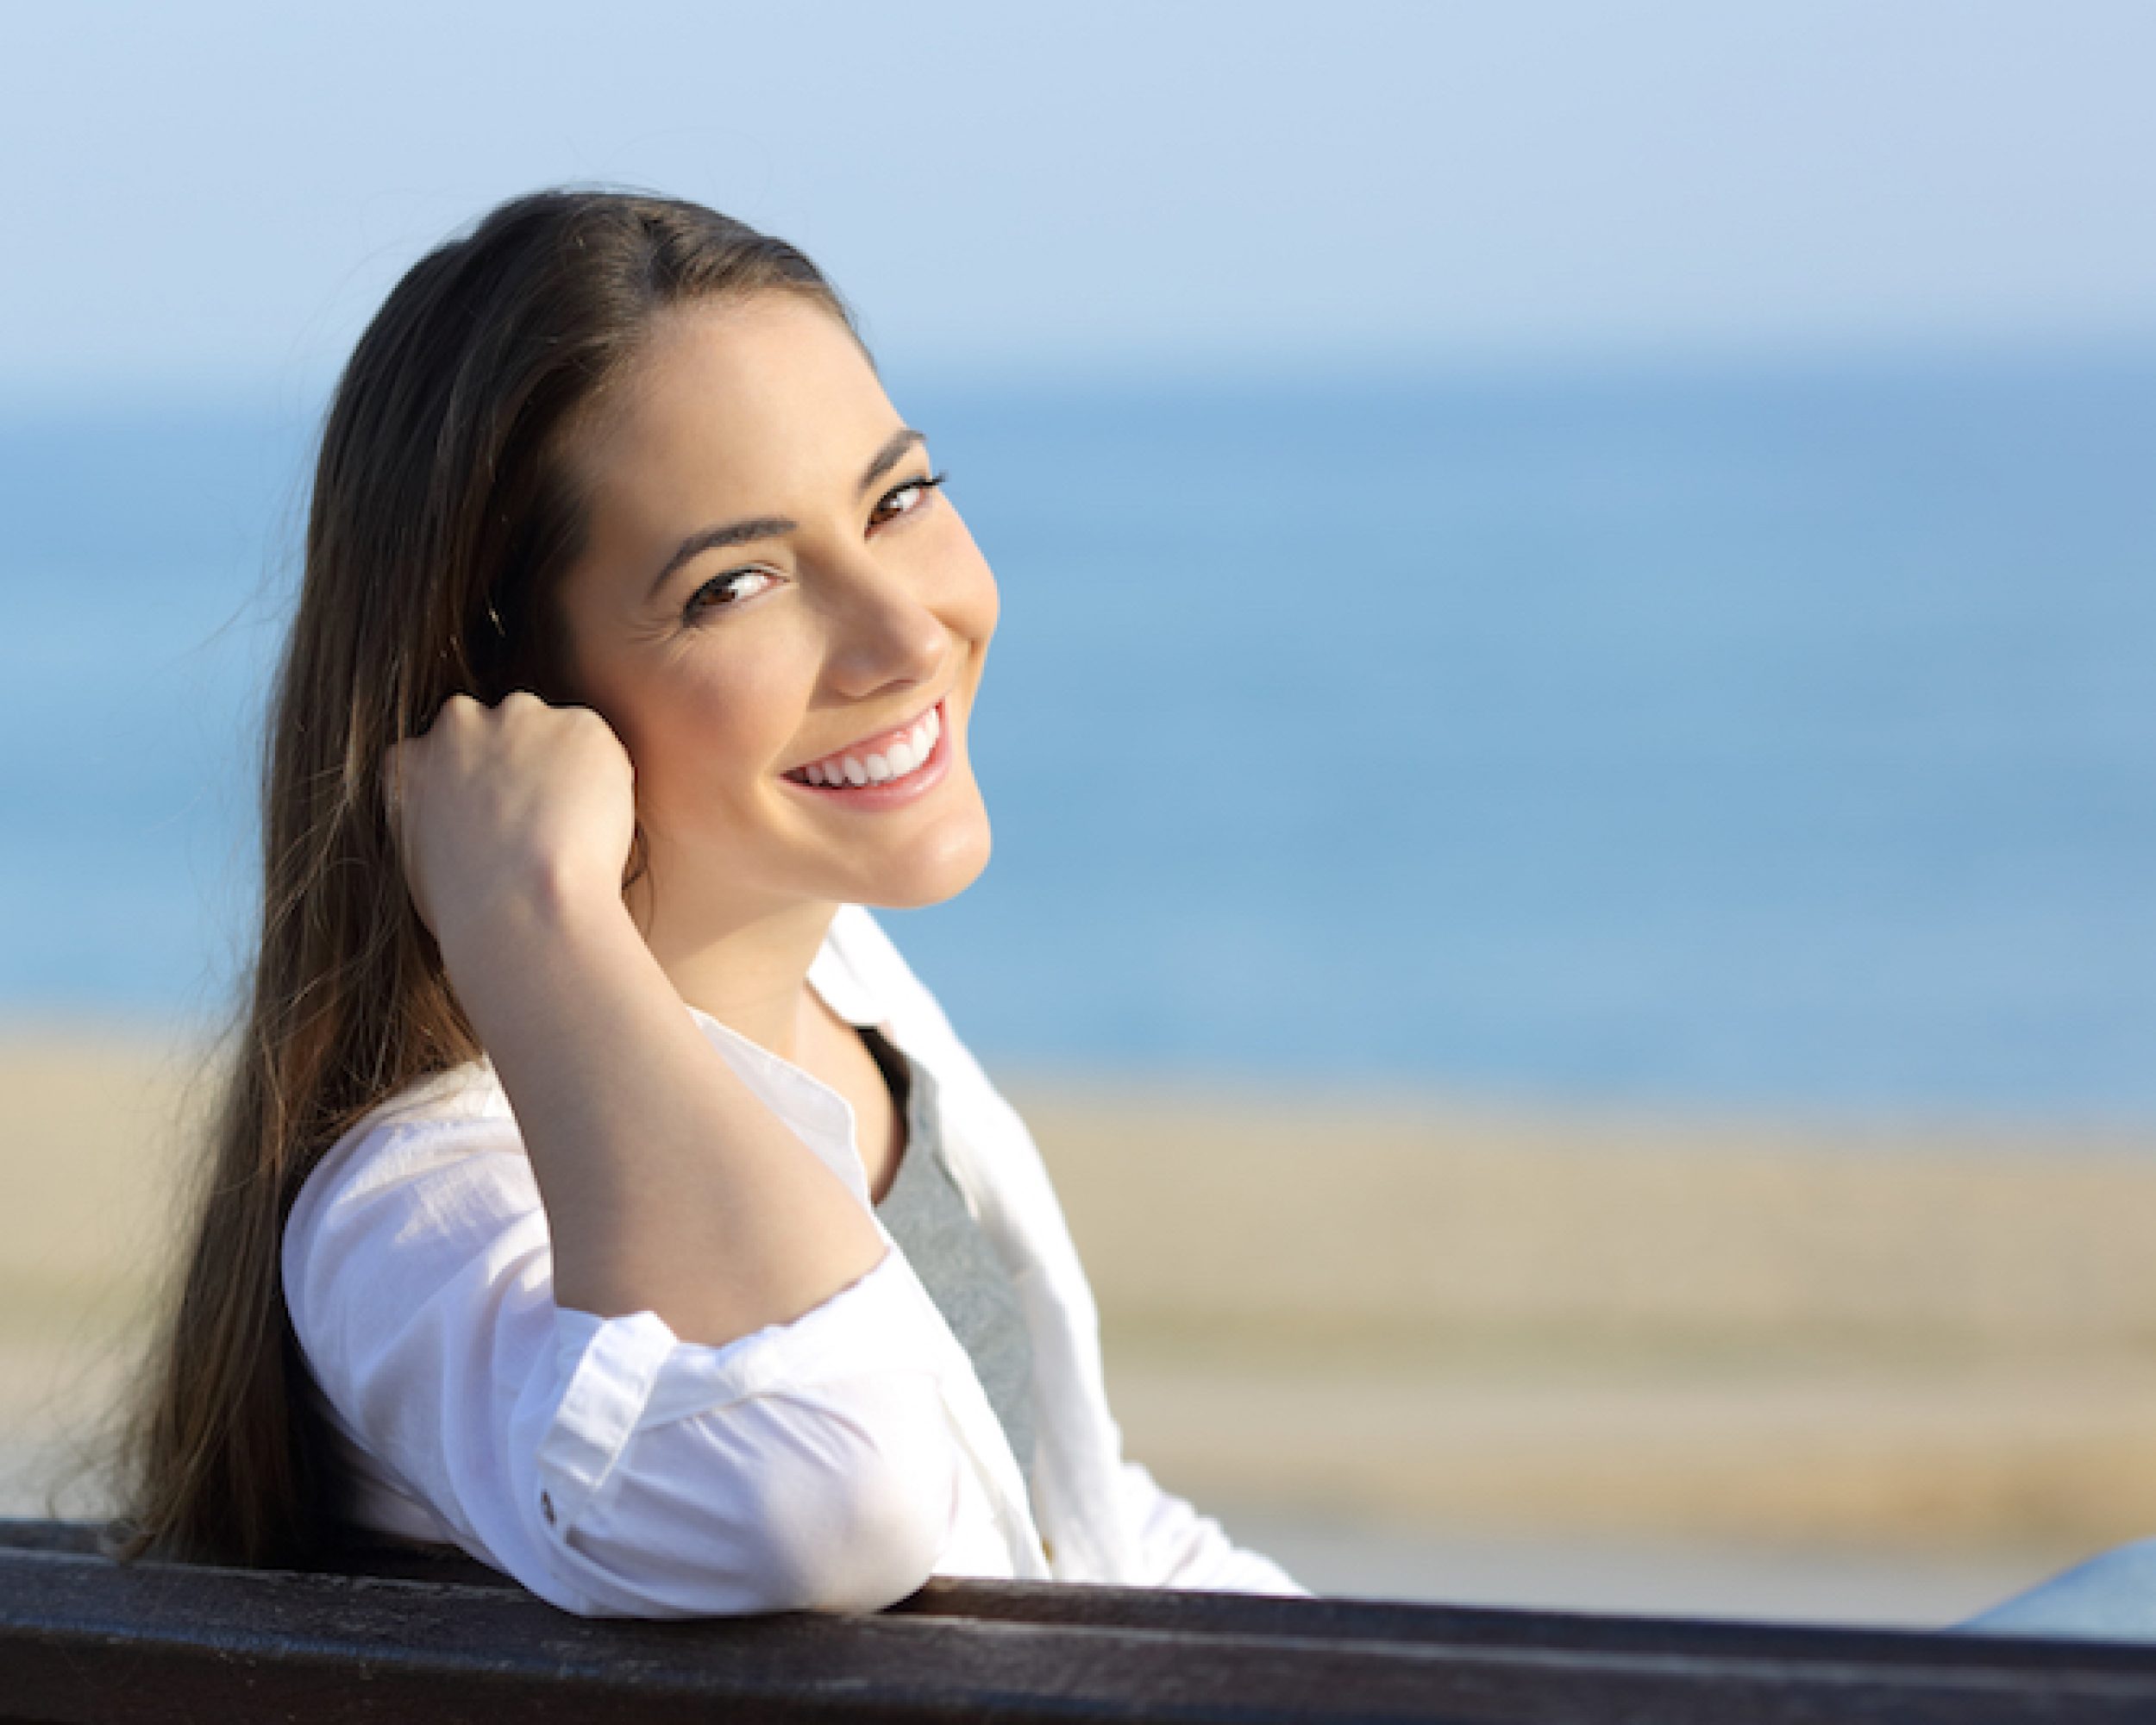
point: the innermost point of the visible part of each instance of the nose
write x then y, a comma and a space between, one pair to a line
884, 636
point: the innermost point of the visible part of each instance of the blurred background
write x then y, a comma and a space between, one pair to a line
1573, 740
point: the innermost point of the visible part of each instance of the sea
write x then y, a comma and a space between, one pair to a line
1774, 736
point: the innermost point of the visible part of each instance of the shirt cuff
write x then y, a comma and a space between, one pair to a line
629, 1374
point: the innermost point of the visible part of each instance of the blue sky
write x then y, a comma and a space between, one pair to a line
215, 196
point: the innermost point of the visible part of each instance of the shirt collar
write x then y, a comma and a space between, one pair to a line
818, 1114
844, 989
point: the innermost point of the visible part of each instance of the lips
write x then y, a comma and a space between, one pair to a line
886, 757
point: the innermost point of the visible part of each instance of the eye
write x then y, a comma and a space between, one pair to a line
903, 499
707, 597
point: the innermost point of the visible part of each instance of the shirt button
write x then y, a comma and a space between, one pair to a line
1048, 1550
546, 1508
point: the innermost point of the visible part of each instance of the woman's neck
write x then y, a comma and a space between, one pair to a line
751, 978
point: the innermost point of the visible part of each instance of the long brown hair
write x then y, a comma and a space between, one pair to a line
443, 514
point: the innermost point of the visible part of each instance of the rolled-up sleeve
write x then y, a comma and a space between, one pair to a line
611, 1468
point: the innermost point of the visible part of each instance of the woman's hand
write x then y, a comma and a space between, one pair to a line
492, 803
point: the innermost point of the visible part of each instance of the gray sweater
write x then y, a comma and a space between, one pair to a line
927, 1215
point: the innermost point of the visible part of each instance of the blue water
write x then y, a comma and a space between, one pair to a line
1769, 738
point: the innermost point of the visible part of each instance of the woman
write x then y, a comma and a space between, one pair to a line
596, 1189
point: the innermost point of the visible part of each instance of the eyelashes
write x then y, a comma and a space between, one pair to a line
720, 584
925, 484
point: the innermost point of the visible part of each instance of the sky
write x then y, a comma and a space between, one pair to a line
214, 196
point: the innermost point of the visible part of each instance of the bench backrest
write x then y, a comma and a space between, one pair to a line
422, 1640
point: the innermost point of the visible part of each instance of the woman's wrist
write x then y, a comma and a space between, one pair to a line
545, 921
550, 899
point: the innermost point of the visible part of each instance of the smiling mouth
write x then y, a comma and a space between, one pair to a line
892, 757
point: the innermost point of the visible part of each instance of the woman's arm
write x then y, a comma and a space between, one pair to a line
668, 1187
638, 1344
611, 1468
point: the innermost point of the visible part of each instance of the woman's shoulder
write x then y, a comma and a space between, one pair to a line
440, 1158
862, 973
986, 1143
460, 1107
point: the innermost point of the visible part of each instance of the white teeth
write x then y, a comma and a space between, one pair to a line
908, 754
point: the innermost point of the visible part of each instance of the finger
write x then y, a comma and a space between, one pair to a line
453, 710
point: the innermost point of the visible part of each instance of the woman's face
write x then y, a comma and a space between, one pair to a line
771, 583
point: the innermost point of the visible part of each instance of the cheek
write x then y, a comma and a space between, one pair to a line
713, 733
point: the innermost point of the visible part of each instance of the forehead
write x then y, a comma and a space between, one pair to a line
733, 408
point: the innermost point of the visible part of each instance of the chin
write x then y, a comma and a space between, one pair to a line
933, 872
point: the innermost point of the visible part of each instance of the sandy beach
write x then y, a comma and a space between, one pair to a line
1427, 1349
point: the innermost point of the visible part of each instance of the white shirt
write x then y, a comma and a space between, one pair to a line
831, 1463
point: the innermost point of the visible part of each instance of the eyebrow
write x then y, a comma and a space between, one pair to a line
756, 527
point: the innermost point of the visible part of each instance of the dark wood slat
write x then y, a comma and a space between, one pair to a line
1332, 1619
82, 1638
1352, 1620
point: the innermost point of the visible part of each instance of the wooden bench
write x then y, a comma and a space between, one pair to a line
431, 1639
